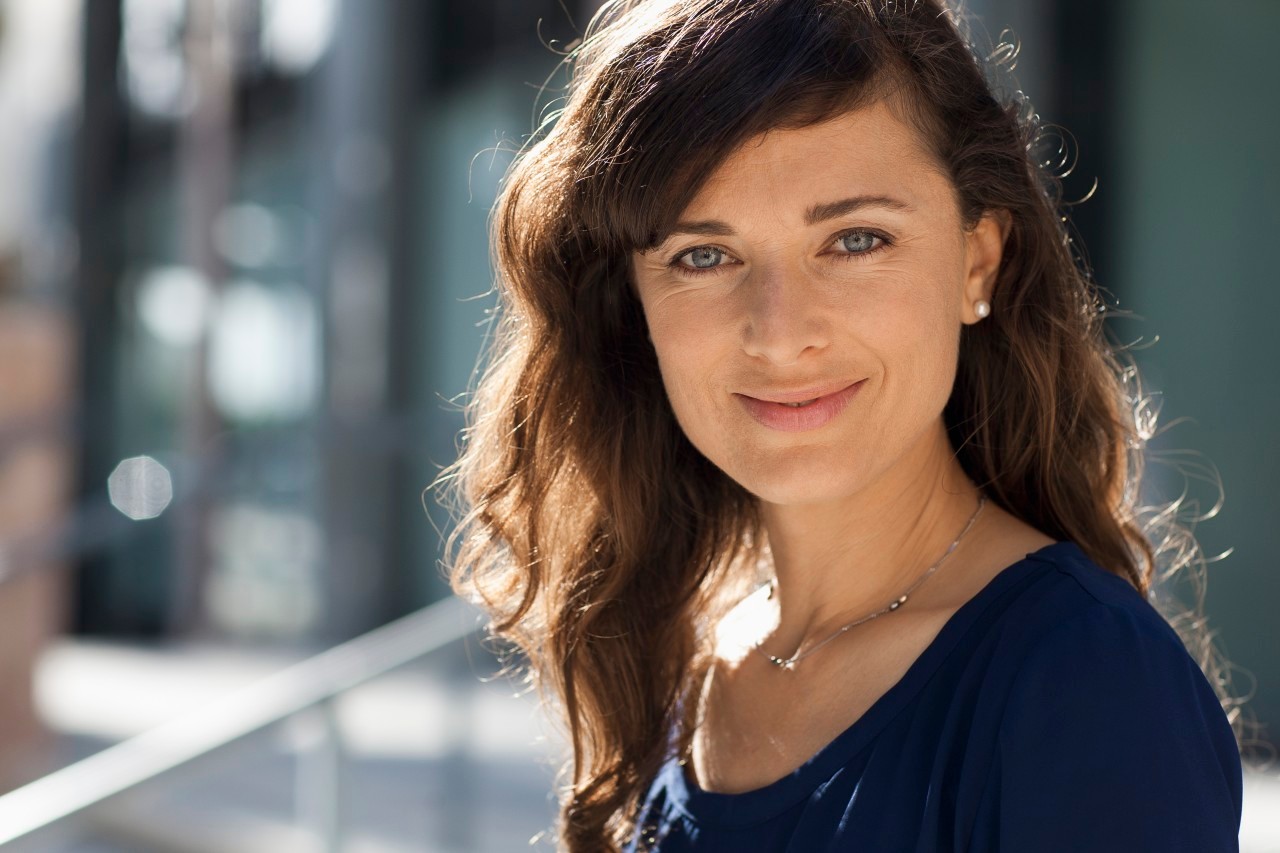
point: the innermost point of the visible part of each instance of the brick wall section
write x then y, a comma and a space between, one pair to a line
36, 374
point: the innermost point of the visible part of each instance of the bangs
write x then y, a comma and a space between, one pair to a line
682, 96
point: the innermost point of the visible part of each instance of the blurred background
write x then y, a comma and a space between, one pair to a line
244, 280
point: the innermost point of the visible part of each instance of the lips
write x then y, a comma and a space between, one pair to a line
801, 396
775, 414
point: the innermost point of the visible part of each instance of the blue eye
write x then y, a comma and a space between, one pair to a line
702, 260
858, 241
704, 257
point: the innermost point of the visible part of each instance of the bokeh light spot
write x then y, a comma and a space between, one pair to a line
140, 487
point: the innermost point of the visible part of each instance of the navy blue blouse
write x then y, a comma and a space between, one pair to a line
1055, 712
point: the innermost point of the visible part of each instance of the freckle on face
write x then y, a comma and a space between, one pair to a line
785, 314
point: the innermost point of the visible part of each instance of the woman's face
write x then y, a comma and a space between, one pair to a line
810, 260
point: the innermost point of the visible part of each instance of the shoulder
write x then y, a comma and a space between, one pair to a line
1068, 595
1085, 636
1110, 728
1110, 599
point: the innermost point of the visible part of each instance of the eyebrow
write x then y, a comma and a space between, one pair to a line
816, 214
823, 212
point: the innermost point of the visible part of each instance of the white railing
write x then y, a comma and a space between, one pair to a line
307, 687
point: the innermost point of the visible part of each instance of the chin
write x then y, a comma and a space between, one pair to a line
799, 496
798, 483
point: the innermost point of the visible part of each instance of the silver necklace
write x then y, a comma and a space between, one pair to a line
789, 663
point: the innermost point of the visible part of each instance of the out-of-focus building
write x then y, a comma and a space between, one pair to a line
38, 383
35, 485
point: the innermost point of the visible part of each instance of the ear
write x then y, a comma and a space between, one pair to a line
984, 248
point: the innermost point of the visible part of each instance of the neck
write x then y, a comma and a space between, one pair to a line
838, 562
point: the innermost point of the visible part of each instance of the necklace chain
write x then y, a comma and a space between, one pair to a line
789, 663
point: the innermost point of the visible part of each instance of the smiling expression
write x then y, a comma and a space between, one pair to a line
811, 259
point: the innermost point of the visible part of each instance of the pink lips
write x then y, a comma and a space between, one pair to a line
803, 418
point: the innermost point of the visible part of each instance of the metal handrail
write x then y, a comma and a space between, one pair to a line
140, 759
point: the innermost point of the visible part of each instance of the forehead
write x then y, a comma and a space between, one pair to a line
868, 149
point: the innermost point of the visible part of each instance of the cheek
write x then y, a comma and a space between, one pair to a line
685, 361
686, 330
917, 338
692, 349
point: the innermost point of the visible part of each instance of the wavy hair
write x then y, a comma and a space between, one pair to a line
599, 541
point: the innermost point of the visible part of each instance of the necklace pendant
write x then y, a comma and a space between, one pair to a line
790, 663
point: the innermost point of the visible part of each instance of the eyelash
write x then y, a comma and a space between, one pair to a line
694, 272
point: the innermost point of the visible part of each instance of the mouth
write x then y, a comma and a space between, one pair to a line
802, 396
805, 410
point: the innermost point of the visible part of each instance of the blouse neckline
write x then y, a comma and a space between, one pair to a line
761, 804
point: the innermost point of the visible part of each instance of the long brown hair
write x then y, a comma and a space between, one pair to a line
600, 542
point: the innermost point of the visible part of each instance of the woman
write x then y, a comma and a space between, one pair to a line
801, 472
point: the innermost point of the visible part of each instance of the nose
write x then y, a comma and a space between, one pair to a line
783, 318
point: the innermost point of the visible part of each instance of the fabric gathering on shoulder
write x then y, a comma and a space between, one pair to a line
1055, 711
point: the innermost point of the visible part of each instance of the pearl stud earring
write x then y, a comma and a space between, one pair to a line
981, 308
